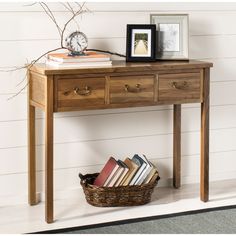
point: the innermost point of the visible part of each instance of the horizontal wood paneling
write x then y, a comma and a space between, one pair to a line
202, 47
224, 69
68, 178
201, 23
92, 153
127, 6
221, 94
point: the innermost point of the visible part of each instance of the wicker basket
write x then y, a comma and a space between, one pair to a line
115, 196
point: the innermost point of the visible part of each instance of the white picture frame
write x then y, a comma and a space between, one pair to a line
172, 39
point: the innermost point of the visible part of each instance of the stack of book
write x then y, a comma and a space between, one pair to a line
89, 59
135, 171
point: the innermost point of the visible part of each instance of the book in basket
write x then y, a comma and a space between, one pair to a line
124, 173
133, 167
107, 172
142, 165
145, 172
115, 176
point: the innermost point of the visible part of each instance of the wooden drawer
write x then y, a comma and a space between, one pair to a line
183, 87
80, 93
125, 89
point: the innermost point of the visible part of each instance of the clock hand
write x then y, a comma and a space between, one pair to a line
79, 44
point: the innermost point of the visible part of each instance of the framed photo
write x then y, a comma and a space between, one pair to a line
140, 43
172, 37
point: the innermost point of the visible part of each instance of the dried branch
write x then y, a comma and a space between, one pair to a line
69, 8
104, 51
30, 4
85, 8
51, 16
60, 31
22, 79
44, 54
72, 18
15, 68
81, 9
28, 67
16, 94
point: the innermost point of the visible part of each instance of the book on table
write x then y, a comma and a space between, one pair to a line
89, 56
78, 64
89, 59
106, 173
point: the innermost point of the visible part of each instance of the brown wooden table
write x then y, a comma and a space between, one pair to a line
121, 85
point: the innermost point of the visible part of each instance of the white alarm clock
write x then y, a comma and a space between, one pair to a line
77, 43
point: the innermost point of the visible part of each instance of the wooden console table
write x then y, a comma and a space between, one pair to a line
121, 85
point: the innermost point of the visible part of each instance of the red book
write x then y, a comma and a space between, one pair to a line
110, 167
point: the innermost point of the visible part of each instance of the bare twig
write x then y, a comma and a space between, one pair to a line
75, 12
72, 18
104, 51
70, 9
30, 4
44, 54
84, 7
14, 68
25, 76
28, 67
16, 94
61, 32
51, 16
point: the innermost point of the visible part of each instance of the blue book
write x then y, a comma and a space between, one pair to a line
142, 165
145, 172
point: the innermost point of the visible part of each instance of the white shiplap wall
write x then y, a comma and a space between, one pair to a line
84, 140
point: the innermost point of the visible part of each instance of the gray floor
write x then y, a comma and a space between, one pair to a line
214, 222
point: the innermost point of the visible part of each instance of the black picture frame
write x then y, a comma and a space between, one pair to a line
146, 49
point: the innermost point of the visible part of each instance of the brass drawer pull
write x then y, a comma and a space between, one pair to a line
137, 88
177, 85
84, 92
66, 93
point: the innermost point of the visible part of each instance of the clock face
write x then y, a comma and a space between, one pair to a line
77, 42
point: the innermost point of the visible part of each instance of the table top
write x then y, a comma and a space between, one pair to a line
122, 66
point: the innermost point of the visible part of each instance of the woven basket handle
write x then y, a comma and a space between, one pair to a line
82, 177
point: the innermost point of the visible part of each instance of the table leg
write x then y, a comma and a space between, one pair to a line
204, 180
31, 156
177, 146
49, 151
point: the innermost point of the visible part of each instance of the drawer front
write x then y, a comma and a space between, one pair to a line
125, 89
82, 92
184, 87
